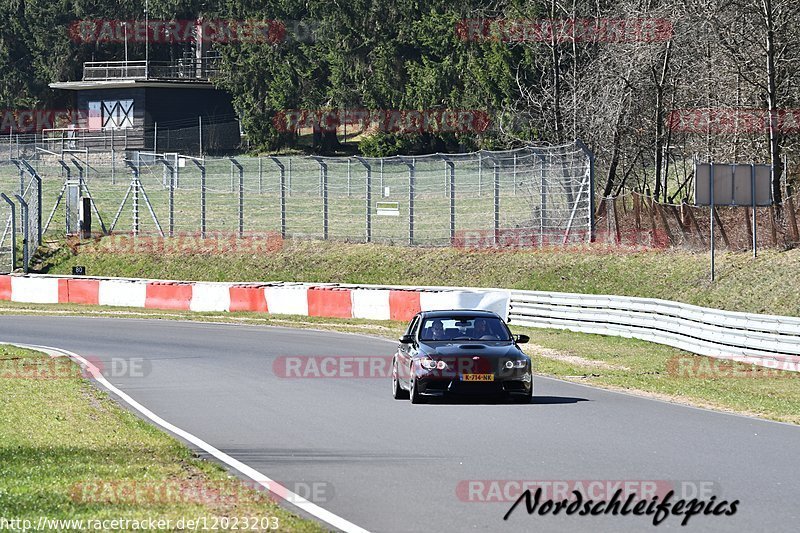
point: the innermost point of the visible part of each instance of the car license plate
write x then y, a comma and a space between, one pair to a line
477, 377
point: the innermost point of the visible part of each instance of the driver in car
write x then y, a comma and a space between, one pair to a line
481, 329
437, 331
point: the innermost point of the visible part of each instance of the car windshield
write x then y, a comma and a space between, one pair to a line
464, 329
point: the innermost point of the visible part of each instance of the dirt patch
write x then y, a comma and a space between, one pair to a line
549, 353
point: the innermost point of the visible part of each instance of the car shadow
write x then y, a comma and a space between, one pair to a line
537, 400
555, 400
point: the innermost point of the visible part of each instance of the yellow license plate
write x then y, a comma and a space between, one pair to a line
477, 377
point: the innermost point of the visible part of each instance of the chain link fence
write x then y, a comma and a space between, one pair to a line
20, 214
7, 238
531, 196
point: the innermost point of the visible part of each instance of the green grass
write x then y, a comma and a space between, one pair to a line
665, 372
763, 285
61, 437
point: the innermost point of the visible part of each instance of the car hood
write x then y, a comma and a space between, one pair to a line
466, 348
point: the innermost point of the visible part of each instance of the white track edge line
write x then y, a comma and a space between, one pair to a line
270, 485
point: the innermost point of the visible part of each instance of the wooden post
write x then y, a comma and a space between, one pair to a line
694, 223
601, 209
792, 219
653, 228
617, 234
721, 228
748, 225
663, 217
685, 231
773, 230
637, 212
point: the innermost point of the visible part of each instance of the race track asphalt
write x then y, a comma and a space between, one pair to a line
389, 466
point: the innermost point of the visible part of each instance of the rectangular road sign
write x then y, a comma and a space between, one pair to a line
733, 184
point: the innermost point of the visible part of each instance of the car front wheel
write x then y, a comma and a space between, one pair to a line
398, 392
416, 397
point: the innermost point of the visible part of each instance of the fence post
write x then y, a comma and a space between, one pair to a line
411, 186
289, 178
496, 202
368, 210
323, 178
283, 194
113, 160
590, 155
480, 172
171, 187
136, 196
543, 223
241, 194
177, 165
514, 173
24, 166
38, 181
451, 191
25, 250
13, 230
260, 175
171, 199
202, 168
321, 185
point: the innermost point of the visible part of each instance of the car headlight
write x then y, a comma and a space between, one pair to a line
520, 363
430, 364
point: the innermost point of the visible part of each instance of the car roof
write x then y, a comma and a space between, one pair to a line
459, 313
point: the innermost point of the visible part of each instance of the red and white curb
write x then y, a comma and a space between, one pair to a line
372, 302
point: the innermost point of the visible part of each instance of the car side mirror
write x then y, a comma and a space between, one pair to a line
521, 339
407, 339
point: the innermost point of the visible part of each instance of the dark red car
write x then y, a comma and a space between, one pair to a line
464, 352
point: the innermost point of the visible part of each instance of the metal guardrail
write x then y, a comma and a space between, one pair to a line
747, 337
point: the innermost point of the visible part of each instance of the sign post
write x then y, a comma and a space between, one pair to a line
753, 207
711, 225
732, 185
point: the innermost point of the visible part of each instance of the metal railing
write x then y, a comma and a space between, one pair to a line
765, 340
187, 69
